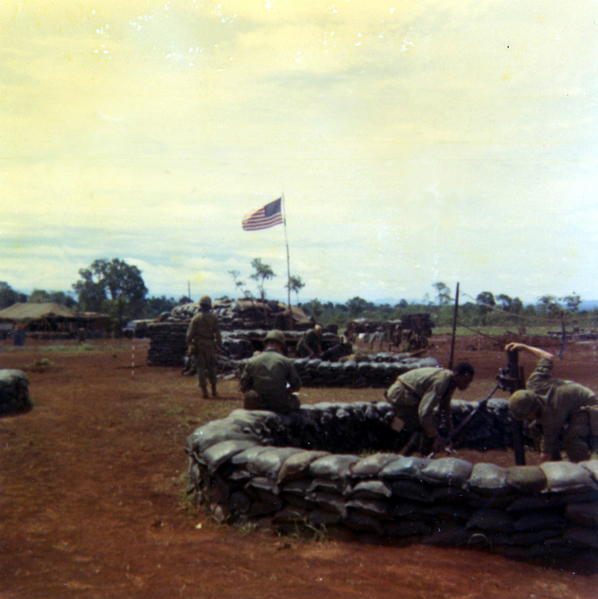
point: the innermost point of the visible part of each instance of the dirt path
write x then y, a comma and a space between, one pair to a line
92, 500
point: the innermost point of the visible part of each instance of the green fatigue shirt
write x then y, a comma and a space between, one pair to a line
204, 332
424, 389
310, 340
559, 399
272, 376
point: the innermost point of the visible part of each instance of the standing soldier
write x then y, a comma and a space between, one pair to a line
204, 336
566, 411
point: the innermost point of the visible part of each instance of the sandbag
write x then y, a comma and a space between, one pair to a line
409, 468
371, 507
408, 489
539, 520
526, 479
489, 519
372, 465
585, 514
218, 454
489, 479
370, 489
332, 466
448, 471
269, 463
330, 501
567, 477
296, 466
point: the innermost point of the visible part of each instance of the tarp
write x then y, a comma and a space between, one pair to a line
25, 312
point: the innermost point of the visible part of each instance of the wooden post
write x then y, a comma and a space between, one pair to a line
455, 313
516, 380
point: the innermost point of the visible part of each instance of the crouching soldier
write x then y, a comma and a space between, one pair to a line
270, 380
205, 340
310, 344
566, 412
421, 400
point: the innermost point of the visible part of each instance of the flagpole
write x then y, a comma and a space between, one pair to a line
284, 220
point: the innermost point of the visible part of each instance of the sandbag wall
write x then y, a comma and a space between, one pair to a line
168, 347
14, 391
252, 466
168, 344
366, 373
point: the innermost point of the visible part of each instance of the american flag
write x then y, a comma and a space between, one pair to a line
264, 218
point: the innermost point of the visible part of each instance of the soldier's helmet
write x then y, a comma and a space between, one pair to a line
318, 329
276, 335
522, 403
205, 300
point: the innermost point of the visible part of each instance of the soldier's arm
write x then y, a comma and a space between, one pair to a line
293, 378
427, 406
246, 382
190, 335
536, 351
218, 335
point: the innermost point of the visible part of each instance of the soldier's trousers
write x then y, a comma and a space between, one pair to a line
576, 437
252, 401
206, 364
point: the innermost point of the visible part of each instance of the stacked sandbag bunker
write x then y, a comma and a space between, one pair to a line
14, 391
302, 472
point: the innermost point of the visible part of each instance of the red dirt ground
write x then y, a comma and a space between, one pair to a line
92, 497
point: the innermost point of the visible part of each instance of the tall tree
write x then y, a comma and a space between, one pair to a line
486, 302
295, 284
60, 297
443, 293
114, 284
39, 296
549, 305
263, 272
8, 296
357, 305
572, 302
505, 301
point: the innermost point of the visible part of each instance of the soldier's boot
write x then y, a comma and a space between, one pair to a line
204, 393
214, 391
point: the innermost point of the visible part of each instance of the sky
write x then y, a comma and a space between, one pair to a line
415, 142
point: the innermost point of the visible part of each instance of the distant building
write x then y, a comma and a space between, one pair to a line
53, 321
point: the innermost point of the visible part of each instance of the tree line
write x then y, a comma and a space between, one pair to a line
117, 288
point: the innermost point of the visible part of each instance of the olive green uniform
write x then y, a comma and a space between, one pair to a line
418, 395
309, 341
203, 335
563, 412
264, 382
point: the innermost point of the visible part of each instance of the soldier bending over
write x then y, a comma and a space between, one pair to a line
566, 411
421, 399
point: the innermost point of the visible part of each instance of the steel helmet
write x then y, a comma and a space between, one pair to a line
276, 335
206, 300
522, 403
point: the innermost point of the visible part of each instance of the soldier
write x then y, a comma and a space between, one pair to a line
310, 345
270, 380
417, 395
566, 411
205, 340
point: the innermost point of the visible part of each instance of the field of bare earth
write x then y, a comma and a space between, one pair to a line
92, 495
